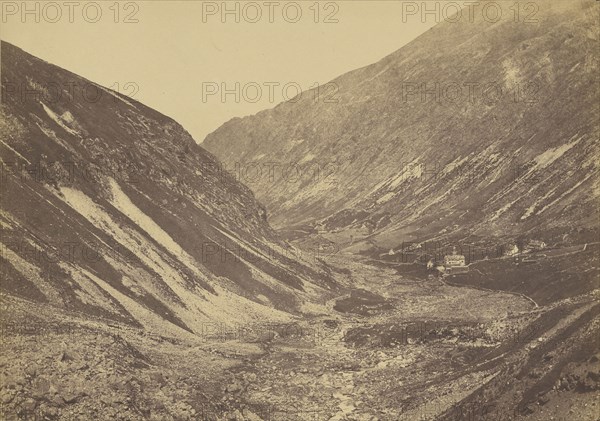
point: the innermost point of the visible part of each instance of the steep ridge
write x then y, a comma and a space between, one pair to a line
481, 130
112, 210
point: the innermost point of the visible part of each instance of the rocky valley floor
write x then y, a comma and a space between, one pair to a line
391, 348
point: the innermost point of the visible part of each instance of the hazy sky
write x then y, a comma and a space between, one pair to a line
178, 48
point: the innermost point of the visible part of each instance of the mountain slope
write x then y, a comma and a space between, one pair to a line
474, 129
111, 209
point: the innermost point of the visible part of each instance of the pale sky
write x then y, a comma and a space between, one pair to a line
177, 46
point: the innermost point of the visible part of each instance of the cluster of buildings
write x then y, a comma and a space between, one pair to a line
453, 262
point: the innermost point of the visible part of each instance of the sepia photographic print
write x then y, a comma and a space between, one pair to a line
310, 210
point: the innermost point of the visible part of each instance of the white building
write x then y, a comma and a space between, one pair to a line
455, 263
454, 259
